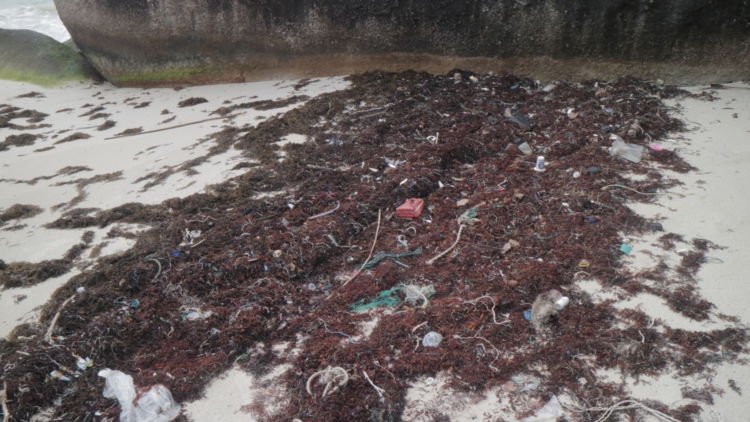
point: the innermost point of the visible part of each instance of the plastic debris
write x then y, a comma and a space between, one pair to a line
432, 339
385, 299
546, 306
526, 383
584, 263
525, 149
57, 375
84, 363
517, 118
593, 170
416, 294
539, 167
381, 256
412, 208
622, 149
626, 249
527, 315
134, 304
656, 147
154, 405
194, 314
590, 219
176, 253
656, 227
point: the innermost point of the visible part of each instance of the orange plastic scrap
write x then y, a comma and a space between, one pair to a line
412, 208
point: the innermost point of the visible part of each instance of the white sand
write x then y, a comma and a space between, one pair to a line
134, 157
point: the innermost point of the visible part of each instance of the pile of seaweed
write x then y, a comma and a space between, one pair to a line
287, 263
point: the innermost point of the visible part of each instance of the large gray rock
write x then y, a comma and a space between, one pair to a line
33, 57
175, 41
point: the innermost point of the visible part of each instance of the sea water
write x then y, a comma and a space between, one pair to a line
37, 15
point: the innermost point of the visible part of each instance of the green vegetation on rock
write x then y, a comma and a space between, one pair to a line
28, 56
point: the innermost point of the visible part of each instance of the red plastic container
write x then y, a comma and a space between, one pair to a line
412, 208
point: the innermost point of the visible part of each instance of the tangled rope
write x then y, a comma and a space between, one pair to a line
333, 377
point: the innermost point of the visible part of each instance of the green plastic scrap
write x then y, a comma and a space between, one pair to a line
385, 299
469, 216
381, 256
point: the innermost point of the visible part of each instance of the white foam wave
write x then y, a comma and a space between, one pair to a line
37, 15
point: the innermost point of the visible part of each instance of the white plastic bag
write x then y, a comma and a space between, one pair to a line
154, 405
622, 149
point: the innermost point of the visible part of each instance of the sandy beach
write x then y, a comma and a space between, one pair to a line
101, 147
99, 171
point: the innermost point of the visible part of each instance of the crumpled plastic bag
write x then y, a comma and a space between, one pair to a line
154, 405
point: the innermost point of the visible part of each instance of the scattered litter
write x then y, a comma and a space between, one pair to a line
194, 314
593, 170
385, 299
462, 202
546, 306
416, 294
432, 339
412, 208
189, 237
84, 363
57, 375
517, 118
134, 304
527, 315
176, 253
626, 249
525, 148
539, 167
526, 383
584, 263
590, 219
332, 378
622, 149
656, 147
656, 227
576, 174
381, 256
153, 405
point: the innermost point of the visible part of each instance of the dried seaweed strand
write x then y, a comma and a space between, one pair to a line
372, 249
51, 329
623, 405
323, 214
4, 400
378, 390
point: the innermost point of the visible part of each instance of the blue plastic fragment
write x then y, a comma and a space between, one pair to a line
591, 219
626, 249
176, 253
527, 314
135, 304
